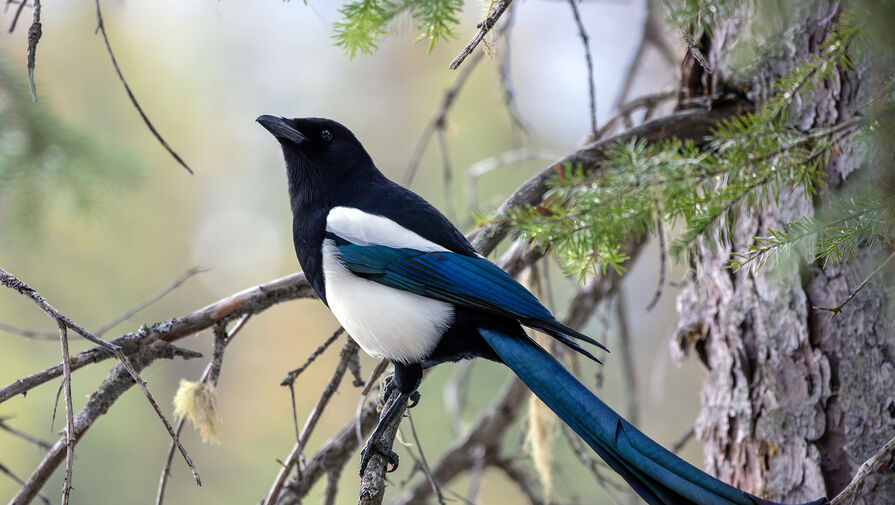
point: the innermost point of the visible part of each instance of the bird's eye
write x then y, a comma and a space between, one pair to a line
326, 135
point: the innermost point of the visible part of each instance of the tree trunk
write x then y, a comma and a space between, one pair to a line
793, 401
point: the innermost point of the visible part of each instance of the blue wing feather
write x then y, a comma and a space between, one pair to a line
470, 281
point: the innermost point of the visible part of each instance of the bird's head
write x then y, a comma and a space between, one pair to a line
318, 151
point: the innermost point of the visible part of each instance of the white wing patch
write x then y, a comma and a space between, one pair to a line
361, 228
384, 321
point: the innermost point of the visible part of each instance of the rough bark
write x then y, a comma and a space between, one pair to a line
794, 401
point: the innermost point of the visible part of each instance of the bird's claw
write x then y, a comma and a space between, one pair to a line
374, 447
414, 399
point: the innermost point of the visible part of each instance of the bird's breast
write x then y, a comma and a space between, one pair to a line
384, 321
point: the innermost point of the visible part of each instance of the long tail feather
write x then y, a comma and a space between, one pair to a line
656, 474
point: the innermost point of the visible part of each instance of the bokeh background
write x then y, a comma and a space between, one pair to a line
203, 70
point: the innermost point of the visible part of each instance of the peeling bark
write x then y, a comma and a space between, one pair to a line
794, 401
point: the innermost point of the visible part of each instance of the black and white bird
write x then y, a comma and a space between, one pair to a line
407, 285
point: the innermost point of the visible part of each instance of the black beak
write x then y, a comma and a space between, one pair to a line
280, 129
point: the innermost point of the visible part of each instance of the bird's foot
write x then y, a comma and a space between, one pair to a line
374, 447
389, 388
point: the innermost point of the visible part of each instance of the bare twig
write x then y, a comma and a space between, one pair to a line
18, 480
480, 168
210, 374
335, 453
15, 17
437, 120
35, 334
127, 314
878, 460
503, 69
681, 442
292, 375
838, 308
648, 102
9, 280
663, 261
486, 432
584, 455
590, 68
48, 335
34, 34
629, 385
330, 389
100, 27
116, 383
484, 27
446, 173
519, 477
652, 36
69, 415
43, 444
423, 463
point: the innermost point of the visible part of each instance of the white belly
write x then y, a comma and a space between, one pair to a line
384, 321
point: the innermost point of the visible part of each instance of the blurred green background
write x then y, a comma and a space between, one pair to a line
203, 70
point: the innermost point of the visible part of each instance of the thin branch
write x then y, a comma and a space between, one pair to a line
626, 351
480, 168
519, 477
334, 453
43, 444
438, 119
116, 383
11, 281
877, 461
446, 173
582, 33
423, 463
176, 283
34, 34
69, 415
15, 17
292, 375
330, 389
487, 432
651, 35
838, 308
679, 444
663, 261
584, 455
648, 102
24, 332
484, 27
210, 374
503, 70
52, 335
18, 480
100, 27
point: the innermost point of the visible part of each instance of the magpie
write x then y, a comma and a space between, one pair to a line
408, 286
